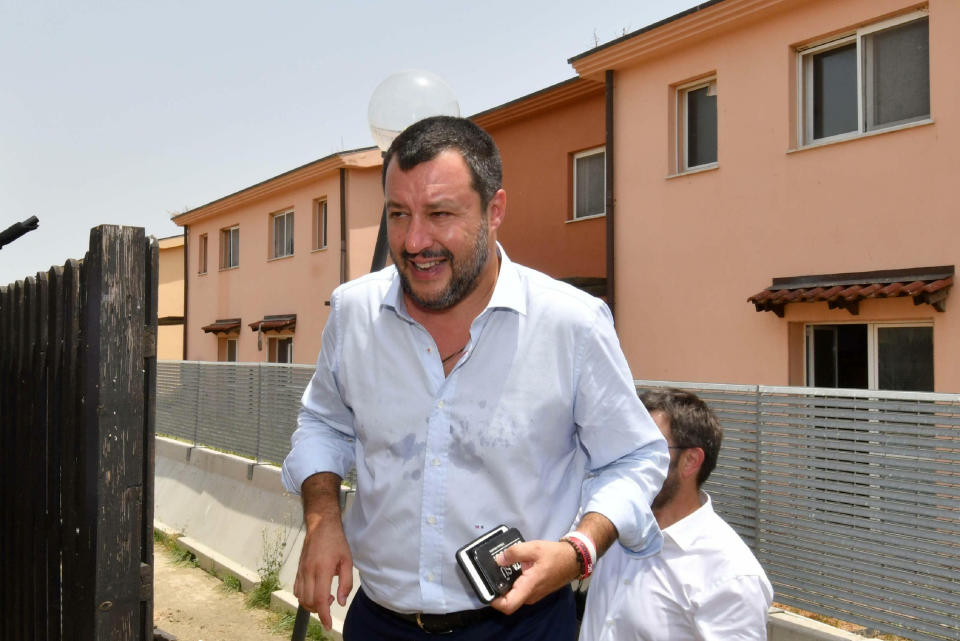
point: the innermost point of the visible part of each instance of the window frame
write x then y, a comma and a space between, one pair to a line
274, 218
203, 243
873, 327
225, 341
682, 115
805, 96
225, 235
273, 349
320, 219
602, 149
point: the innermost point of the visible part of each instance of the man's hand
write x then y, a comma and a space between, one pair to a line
547, 567
325, 552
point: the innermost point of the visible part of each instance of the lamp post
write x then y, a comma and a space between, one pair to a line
16, 230
400, 100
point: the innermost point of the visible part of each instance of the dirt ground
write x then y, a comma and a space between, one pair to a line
192, 605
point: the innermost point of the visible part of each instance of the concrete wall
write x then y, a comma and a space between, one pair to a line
223, 506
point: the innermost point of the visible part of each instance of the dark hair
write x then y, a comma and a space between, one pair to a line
692, 424
424, 140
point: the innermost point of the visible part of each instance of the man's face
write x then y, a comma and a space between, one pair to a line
672, 483
440, 237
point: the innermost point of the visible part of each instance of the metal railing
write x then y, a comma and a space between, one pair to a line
849, 498
248, 409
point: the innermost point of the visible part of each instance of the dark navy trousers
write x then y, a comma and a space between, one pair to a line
553, 618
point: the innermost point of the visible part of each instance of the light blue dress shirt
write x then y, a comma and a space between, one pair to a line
538, 418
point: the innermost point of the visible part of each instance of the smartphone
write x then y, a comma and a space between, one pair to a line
477, 560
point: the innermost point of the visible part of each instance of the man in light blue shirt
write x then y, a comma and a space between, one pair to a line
469, 391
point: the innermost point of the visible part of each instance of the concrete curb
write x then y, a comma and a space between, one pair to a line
788, 626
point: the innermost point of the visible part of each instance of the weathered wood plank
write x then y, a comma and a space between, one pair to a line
74, 606
151, 293
52, 522
37, 478
114, 415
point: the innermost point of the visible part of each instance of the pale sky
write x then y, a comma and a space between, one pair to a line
127, 111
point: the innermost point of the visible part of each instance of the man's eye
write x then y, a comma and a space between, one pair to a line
396, 214
440, 214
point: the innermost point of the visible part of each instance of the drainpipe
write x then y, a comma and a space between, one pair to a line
611, 281
343, 225
186, 286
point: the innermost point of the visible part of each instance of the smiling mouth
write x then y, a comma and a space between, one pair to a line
426, 266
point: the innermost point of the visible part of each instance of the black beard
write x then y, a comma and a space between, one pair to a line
464, 275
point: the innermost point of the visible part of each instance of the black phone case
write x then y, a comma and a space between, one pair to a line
472, 564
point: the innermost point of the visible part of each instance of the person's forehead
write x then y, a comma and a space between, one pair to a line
444, 176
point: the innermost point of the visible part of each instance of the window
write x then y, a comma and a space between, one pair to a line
697, 125
320, 225
227, 350
202, 258
589, 183
229, 247
886, 356
282, 230
876, 78
280, 349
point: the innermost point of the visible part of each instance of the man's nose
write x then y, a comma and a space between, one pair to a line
419, 235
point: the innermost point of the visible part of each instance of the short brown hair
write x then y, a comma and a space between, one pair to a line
692, 424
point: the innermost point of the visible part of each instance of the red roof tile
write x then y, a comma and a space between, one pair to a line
929, 285
223, 326
285, 322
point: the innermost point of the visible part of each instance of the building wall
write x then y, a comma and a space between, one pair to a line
692, 248
365, 206
299, 284
170, 297
537, 151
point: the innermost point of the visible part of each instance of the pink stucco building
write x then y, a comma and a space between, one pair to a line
783, 183
261, 263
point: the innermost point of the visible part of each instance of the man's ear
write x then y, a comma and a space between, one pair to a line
690, 461
497, 209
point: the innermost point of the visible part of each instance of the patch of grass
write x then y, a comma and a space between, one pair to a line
231, 583
273, 544
282, 622
181, 555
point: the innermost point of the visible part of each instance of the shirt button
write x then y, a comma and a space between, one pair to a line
432, 520
440, 404
435, 462
430, 576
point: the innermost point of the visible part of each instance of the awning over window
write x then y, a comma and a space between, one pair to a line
283, 322
929, 285
223, 326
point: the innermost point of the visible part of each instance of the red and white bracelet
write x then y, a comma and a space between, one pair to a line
586, 552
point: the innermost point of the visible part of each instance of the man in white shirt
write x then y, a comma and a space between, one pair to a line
469, 391
705, 584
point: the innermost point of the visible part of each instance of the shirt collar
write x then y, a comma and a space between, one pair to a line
507, 293
687, 530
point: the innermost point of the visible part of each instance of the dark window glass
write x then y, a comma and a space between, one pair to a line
905, 358
835, 91
897, 76
701, 127
591, 185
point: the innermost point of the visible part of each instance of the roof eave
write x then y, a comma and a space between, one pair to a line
363, 158
697, 22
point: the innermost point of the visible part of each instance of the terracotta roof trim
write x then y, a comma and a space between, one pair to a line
275, 323
223, 326
927, 285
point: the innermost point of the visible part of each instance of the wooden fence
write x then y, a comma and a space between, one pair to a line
77, 400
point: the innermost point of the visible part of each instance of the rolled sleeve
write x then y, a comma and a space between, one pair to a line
628, 454
324, 438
